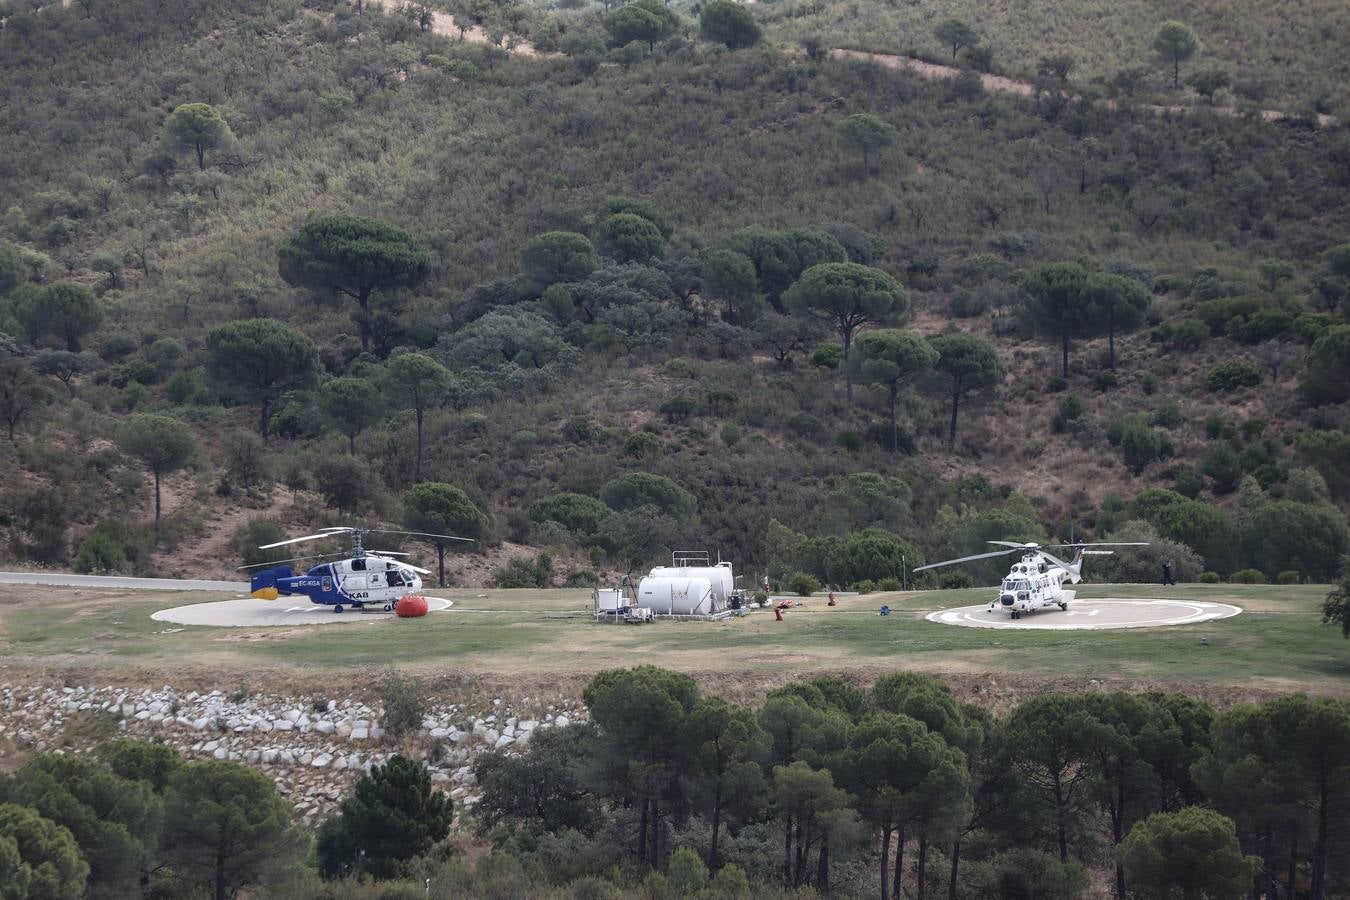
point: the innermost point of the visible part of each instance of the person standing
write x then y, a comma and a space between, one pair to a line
1167, 573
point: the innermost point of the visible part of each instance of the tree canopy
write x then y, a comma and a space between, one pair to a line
258, 360
164, 444
729, 23
848, 296
198, 127
971, 362
356, 256
1175, 42
867, 134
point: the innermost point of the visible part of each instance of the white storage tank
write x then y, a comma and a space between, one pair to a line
719, 576
676, 596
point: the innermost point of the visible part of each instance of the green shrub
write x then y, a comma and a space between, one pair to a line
731, 434
679, 409
805, 424
679, 367
1232, 374
866, 586
1264, 324
851, 441
404, 700
890, 583
1149, 384
578, 513
1167, 415
1288, 576
803, 584
1057, 383
828, 355
525, 573
1248, 576
1209, 578
99, 554
1219, 315
1140, 445
642, 445
1188, 482
1104, 381
580, 431
1069, 409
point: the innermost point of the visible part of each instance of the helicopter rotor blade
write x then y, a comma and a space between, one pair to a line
952, 562
1015, 545
276, 562
1105, 544
401, 564
307, 537
422, 534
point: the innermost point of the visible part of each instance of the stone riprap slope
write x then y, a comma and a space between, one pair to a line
313, 750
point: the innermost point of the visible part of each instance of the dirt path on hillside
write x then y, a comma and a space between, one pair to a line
1000, 84
443, 23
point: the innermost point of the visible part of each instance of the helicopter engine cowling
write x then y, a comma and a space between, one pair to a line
1006, 599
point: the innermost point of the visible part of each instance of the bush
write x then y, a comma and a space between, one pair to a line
1104, 381
803, 584
866, 586
1248, 576
404, 701
1069, 409
1288, 576
828, 355
1149, 384
1167, 415
679, 409
851, 441
1188, 482
1140, 445
578, 513
525, 573
642, 445
890, 583
1057, 383
805, 424
1209, 578
731, 434
254, 533
1232, 374
99, 554
580, 431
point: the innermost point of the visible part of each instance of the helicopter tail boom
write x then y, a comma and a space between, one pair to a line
270, 583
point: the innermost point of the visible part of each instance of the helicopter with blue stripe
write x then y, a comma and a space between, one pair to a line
362, 579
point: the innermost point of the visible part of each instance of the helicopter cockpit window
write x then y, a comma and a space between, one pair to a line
396, 578
358, 565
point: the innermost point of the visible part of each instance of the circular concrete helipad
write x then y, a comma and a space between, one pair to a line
247, 612
1090, 615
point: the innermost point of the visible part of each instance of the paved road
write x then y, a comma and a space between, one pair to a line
57, 579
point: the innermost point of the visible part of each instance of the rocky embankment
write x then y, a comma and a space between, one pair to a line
311, 748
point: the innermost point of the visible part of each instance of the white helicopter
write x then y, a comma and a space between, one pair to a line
1038, 580
364, 578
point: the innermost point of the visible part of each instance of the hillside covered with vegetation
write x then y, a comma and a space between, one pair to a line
662, 283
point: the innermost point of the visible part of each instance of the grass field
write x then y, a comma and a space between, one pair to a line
547, 637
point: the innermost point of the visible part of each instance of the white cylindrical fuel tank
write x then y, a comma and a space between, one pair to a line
720, 577
676, 596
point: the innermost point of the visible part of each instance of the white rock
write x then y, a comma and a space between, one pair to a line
562, 721
220, 753
323, 726
439, 733
360, 733
293, 715
322, 761
490, 736
283, 725
504, 741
